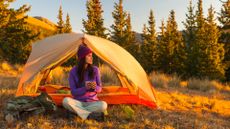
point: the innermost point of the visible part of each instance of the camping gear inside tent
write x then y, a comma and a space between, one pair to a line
51, 52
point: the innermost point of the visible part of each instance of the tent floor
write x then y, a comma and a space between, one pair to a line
110, 94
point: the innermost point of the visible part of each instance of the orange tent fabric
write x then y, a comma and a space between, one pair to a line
52, 51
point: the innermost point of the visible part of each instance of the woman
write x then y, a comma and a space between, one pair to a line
85, 83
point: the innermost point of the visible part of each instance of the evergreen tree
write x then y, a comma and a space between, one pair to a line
68, 29
190, 38
122, 30
151, 29
224, 19
15, 37
4, 20
162, 28
198, 47
148, 47
207, 52
176, 44
161, 48
144, 35
129, 34
131, 45
94, 25
119, 26
4, 12
138, 46
214, 50
172, 48
67, 26
60, 23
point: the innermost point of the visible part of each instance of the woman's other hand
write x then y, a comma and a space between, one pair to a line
90, 85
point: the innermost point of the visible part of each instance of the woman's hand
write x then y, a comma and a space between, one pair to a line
90, 85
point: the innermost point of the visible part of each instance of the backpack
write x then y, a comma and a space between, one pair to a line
26, 105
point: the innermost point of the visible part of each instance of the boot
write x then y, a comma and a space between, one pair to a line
98, 116
69, 114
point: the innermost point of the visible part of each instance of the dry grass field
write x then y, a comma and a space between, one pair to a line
191, 104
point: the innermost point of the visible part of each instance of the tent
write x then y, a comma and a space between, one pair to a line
51, 52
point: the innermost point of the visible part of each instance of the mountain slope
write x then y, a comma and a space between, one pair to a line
45, 24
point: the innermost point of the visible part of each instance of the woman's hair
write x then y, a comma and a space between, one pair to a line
81, 70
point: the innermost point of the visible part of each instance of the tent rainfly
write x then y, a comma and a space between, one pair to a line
51, 52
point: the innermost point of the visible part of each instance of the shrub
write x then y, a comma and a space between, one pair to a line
203, 85
108, 76
163, 80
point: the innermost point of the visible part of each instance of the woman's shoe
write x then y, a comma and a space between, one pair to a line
98, 116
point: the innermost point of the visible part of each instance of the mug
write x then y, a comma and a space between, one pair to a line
90, 84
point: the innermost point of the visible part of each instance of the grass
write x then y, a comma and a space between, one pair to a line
59, 76
164, 80
167, 81
108, 76
181, 105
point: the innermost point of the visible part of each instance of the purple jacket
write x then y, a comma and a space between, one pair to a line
79, 91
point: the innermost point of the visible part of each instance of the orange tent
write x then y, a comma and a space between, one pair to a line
51, 52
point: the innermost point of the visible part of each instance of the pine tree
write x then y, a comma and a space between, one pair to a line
129, 34
144, 35
94, 25
172, 48
151, 29
148, 47
162, 28
68, 29
198, 47
179, 54
60, 23
131, 45
206, 50
200, 20
67, 26
15, 37
190, 38
214, 50
118, 32
136, 51
4, 13
161, 48
139, 54
224, 19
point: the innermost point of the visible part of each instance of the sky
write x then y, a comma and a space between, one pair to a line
139, 10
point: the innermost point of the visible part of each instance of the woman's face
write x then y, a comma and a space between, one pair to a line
89, 58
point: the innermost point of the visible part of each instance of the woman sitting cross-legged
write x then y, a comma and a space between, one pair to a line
85, 83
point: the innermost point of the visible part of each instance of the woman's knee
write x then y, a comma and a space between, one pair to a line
103, 105
66, 101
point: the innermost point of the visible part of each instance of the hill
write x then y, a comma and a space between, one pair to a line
41, 22
42, 26
47, 21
